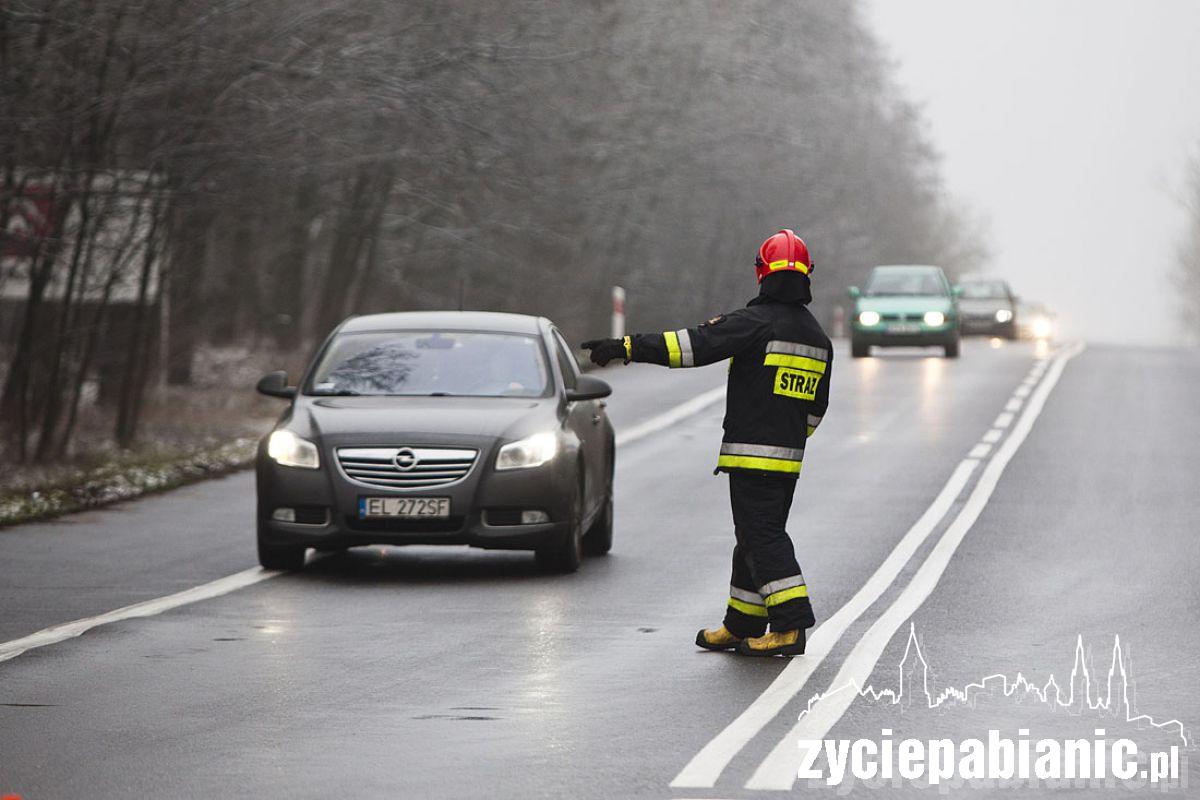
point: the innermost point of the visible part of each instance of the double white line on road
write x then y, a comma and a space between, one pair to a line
249, 577
778, 771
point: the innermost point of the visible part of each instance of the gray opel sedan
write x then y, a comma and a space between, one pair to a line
438, 428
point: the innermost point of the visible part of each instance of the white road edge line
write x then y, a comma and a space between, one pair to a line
249, 577
778, 770
706, 766
669, 418
148, 608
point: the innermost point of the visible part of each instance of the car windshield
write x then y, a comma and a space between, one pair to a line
984, 290
432, 363
904, 282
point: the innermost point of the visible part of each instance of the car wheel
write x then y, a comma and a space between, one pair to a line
951, 349
567, 555
859, 350
599, 539
285, 558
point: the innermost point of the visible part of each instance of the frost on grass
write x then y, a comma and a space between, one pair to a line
82, 488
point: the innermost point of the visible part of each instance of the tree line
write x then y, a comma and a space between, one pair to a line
194, 173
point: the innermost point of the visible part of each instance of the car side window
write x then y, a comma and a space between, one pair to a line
566, 361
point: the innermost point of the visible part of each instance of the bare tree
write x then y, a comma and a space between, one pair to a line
228, 171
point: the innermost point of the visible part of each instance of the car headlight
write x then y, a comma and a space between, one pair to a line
532, 451
869, 318
288, 449
934, 318
1003, 315
1042, 328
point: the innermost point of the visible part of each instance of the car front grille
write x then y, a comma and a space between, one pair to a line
406, 467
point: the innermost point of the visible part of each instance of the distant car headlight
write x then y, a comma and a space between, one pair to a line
288, 449
1003, 315
934, 318
869, 318
532, 451
1042, 328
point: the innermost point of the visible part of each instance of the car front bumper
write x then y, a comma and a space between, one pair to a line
925, 336
987, 326
329, 501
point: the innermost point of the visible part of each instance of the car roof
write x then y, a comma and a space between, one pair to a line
444, 320
910, 267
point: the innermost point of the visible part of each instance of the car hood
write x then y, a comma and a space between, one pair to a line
906, 304
408, 417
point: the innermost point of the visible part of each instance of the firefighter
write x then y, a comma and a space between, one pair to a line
777, 393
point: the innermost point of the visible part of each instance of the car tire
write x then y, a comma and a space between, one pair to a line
598, 540
565, 556
282, 558
951, 349
859, 350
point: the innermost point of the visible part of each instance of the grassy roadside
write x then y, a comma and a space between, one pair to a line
123, 477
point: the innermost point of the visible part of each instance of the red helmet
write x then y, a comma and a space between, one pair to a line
783, 251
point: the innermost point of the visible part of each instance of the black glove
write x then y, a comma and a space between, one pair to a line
603, 351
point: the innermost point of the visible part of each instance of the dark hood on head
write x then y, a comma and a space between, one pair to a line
785, 287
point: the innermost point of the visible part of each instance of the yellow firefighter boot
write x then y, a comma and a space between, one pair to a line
719, 639
787, 643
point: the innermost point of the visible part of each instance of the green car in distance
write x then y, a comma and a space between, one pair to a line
905, 306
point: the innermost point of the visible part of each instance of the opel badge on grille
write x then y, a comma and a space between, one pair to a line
405, 459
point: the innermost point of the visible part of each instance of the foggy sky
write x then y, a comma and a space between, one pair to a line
1065, 124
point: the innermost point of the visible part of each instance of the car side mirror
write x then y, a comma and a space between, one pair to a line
589, 387
854, 292
956, 291
274, 384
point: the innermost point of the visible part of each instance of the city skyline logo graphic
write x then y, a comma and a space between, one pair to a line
1115, 697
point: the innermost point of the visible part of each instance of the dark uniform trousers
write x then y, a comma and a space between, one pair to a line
767, 583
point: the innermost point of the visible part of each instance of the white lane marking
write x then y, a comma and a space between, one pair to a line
669, 418
1014, 404
1023, 390
1004, 420
249, 577
148, 608
778, 770
980, 450
706, 766
992, 436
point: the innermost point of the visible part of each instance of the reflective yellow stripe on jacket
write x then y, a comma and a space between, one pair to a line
679, 348
764, 457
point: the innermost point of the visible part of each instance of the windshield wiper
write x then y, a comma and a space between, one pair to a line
339, 393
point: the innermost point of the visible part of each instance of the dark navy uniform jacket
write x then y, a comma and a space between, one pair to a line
779, 376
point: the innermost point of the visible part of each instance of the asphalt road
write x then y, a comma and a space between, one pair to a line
993, 512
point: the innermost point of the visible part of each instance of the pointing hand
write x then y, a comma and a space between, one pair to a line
603, 351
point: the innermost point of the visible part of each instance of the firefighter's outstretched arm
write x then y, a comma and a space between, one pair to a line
707, 343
